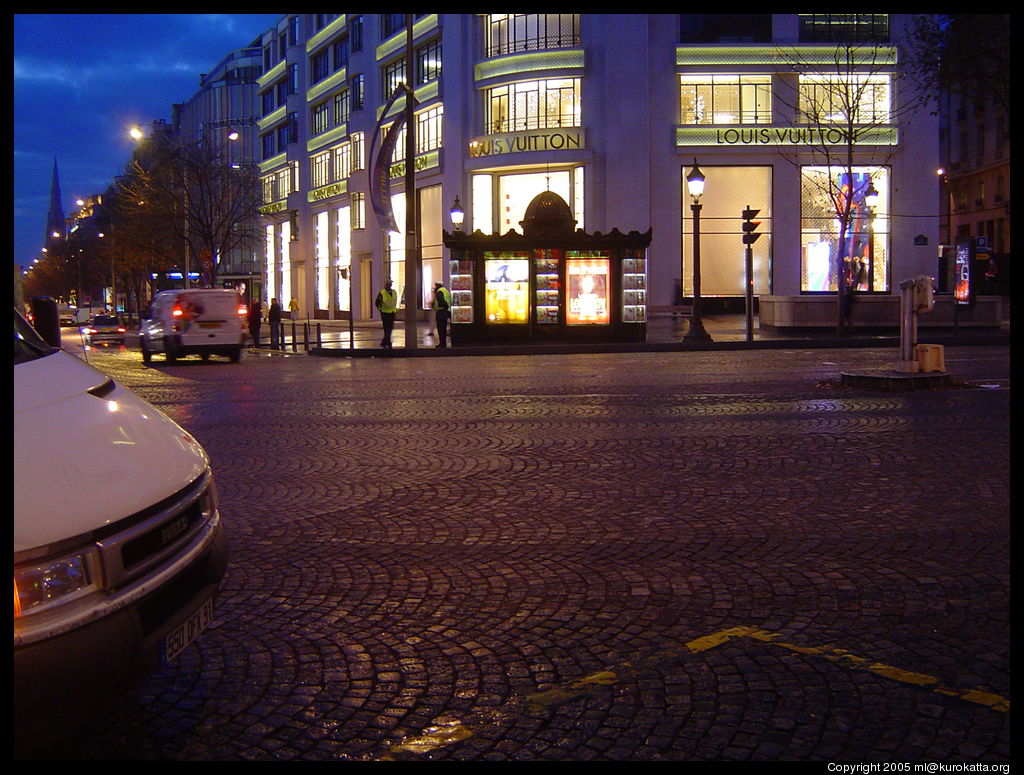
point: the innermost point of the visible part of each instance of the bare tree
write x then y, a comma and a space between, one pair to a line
966, 54
193, 193
845, 117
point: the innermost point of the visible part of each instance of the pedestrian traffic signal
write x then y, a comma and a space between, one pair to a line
750, 226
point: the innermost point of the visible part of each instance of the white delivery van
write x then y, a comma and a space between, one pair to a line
198, 321
118, 543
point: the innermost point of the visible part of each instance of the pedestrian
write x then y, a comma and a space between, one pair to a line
274, 318
255, 321
293, 308
442, 312
387, 303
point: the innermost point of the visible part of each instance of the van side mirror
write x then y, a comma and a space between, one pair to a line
46, 319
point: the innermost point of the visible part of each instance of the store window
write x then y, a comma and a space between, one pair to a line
546, 104
728, 191
838, 98
430, 244
343, 250
725, 99
321, 229
865, 248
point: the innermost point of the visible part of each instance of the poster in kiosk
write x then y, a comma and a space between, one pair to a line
549, 284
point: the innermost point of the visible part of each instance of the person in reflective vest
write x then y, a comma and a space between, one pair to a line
442, 312
387, 303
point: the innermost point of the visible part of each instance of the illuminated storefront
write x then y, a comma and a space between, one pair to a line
550, 283
608, 112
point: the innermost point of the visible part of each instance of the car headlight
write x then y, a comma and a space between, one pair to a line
51, 582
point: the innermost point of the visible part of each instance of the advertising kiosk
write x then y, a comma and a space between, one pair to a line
549, 284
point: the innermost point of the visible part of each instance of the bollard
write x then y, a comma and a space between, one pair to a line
318, 342
305, 336
293, 336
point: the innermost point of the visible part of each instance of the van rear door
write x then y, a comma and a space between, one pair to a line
207, 313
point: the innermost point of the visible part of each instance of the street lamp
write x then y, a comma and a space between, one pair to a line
458, 215
871, 198
695, 186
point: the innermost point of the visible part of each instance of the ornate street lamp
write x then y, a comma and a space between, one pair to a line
695, 186
458, 215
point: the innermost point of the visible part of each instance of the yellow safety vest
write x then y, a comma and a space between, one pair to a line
446, 294
387, 301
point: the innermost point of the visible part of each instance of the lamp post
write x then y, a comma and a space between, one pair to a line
695, 186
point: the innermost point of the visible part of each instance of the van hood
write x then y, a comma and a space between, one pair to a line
82, 461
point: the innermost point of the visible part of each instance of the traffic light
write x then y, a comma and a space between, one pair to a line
750, 226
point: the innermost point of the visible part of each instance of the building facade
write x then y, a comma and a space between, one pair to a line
609, 111
975, 176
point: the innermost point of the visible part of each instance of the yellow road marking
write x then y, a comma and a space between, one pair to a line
994, 701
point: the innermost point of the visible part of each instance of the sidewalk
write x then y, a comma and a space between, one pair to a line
334, 338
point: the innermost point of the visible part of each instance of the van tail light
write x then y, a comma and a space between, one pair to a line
242, 311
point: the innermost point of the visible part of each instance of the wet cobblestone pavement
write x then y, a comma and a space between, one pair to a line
642, 556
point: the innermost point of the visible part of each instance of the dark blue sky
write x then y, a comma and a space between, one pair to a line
80, 82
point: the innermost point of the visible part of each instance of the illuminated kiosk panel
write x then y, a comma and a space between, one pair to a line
550, 283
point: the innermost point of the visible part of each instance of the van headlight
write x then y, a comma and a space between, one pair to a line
38, 586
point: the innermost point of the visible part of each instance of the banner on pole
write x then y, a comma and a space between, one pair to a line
380, 179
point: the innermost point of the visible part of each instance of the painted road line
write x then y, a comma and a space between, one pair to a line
830, 652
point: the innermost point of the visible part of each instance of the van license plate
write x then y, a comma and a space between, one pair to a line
180, 638
209, 325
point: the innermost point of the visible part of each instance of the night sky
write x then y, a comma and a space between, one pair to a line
82, 80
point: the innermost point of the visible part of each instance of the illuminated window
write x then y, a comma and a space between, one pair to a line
428, 133
837, 98
358, 211
342, 161
533, 105
866, 261
321, 242
357, 151
728, 191
725, 99
508, 33
321, 169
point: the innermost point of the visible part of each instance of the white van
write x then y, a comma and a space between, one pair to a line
118, 543
199, 321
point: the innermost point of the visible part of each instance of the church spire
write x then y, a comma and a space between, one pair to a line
55, 218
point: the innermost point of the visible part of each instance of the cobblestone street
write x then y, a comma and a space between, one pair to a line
634, 556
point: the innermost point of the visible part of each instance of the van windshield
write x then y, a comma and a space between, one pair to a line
28, 345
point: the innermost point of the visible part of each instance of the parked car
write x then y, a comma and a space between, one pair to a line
118, 544
199, 321
104, 329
